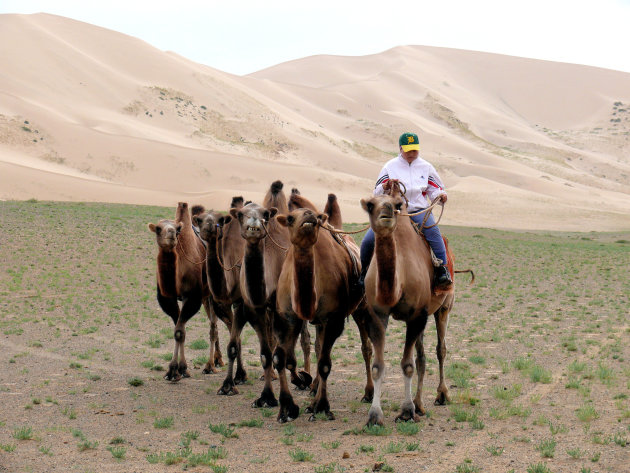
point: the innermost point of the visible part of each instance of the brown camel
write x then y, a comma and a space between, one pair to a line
225, 249
398, 282
265, 242
181, 277
316, 286
333, 211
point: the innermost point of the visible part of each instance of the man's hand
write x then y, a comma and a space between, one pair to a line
443, 198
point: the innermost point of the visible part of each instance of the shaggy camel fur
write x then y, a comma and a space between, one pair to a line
398, 282
265, 241
180, 277
316, 286
225, 249
333, 211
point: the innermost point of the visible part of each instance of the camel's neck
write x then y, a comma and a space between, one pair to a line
254, 271
386, 280
166, 267
304, 294
218, 286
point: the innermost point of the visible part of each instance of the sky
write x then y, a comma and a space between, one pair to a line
243, 36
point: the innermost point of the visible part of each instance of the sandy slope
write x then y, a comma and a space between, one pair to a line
91, 114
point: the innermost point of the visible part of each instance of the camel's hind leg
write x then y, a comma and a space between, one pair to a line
376, 326
331, 331
415, 328
441, 322
359, 317
233, 350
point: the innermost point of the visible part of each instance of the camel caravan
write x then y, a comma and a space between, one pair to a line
284, 264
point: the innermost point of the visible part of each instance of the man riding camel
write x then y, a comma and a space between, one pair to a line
422, 182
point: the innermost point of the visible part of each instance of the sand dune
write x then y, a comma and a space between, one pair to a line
92, 114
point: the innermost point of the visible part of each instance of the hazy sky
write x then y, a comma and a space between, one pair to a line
243, 36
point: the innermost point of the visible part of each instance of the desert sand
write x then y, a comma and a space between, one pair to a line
89, 114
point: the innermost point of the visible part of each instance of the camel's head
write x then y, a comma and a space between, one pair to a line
303, 225
166, 233
383, 211
208, 223
253, 220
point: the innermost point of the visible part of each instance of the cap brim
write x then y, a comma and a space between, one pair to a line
406, 148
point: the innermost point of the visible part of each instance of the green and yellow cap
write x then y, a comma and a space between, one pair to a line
409, 142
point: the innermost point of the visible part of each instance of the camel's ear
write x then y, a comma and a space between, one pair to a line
323, 217
179, 227
225, 220
234, 212
272, 212
367, 206
282, 220
152, 227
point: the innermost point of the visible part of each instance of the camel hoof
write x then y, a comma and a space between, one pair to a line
240, 377
368, 398
419, 410
173, 377
227, 390
288, 414
375, 418
408, 417
218, 362
209, 370
329, 416
186, 374
441, 399
302, 380
260, 402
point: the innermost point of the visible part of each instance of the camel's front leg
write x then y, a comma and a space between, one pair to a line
421, 364
287, 331
415, 328
360, 317
267, 398
170, 306
214, 337
331, 331
441, 322
376, 326
233, 350
190, 306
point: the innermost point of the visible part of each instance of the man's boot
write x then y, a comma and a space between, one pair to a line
442, 277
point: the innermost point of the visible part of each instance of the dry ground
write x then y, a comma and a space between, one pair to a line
537, 363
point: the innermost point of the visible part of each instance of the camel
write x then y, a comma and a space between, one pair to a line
333, 211
225, 249
315, 285
398, 283
265, 252
180, 277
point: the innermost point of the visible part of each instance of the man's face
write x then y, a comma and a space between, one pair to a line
409, 155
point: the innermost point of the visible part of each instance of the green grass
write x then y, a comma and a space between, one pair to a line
547, 448
587, 413
163, 422
299, 455
135, 381
23, 433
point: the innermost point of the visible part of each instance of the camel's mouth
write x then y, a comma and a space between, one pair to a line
309, 223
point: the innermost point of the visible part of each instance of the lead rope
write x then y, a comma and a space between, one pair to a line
271, 238
181, 248
238, 263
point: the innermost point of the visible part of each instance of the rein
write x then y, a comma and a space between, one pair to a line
181, 249
267, 234
238, 263
428, 211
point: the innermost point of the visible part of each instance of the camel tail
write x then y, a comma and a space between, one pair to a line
334, 211
472, 274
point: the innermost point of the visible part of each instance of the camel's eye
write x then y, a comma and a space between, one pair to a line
290, 219
399, 206
158, 230
370, 207
266, 215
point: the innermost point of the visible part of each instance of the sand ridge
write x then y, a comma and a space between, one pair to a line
100, 116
